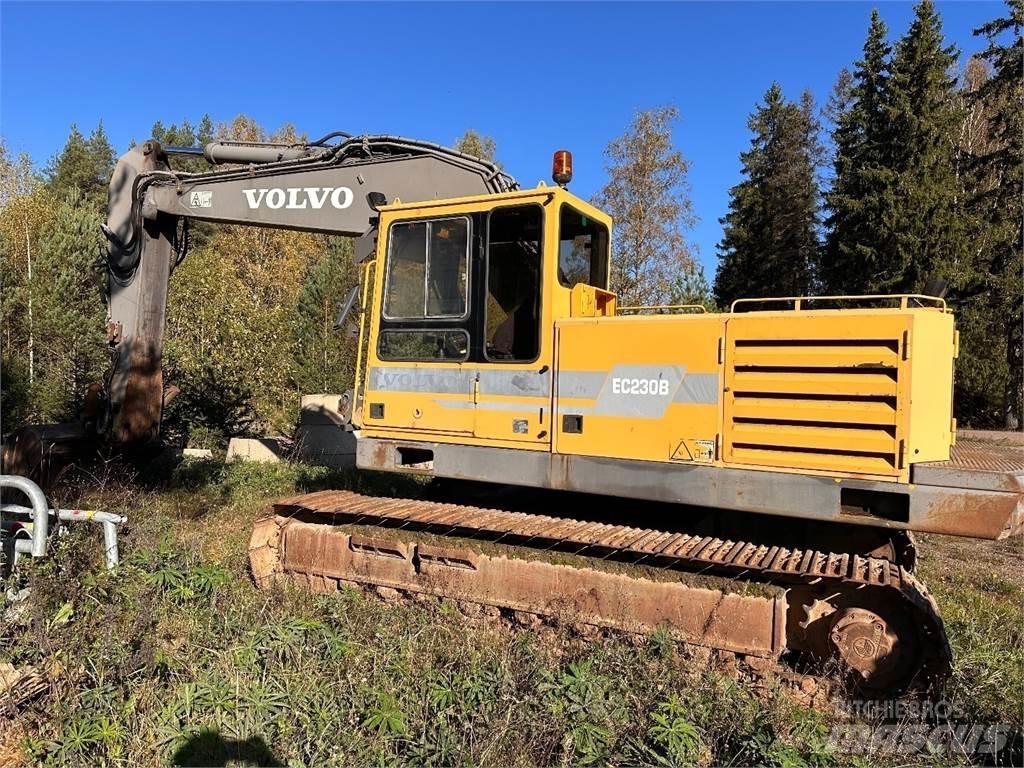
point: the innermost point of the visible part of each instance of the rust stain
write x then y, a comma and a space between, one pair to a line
139, 418
996, 515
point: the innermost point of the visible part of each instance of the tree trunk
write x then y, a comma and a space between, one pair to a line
1012, 395
31, 339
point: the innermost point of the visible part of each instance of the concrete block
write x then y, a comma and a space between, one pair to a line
262, 449
325, 409
197, 453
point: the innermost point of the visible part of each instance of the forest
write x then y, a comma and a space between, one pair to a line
911, 172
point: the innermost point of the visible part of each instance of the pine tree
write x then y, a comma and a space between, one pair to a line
205, 132
83, 164
923, 215
69, 324
648, 196
186, 135
770, 241
855, 254
691, 287
72, 168
101, 159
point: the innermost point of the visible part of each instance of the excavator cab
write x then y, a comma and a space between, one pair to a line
460, 335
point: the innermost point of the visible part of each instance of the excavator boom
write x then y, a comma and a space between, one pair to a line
315, 188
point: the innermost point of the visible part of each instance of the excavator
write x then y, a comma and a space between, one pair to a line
748, 481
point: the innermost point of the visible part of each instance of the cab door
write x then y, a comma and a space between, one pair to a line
419, 376
513, 376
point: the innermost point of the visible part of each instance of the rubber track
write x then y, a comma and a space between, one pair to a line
742, 560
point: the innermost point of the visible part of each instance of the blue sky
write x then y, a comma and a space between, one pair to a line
536, 77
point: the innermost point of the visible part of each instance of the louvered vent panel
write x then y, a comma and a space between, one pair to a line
816, 404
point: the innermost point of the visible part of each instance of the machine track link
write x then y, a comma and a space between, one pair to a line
866, 613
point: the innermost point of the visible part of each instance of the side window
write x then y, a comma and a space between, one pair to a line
582, 250
428, 269
424, 345
512, 302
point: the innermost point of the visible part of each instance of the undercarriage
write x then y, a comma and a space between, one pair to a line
862, 615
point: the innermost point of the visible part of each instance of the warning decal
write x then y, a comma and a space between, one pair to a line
200, 199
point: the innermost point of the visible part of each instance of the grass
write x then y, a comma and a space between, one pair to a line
178, 658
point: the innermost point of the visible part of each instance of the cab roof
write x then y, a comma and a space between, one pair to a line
489, 201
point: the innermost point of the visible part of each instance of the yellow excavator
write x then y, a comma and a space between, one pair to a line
746, 480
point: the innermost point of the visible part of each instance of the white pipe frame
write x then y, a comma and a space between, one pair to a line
40, 511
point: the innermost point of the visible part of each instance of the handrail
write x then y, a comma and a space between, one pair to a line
40, 510
798, 301
661, 307
364, 315
108, 520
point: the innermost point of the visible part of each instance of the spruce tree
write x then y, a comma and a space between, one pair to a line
923, 217
770, 242
855, 254
996, 185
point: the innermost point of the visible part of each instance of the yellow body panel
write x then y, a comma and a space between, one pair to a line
837, 392
601, 362
932, 347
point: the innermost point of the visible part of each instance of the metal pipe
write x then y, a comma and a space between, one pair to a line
108, 520
40, 510
197, 151
110, 551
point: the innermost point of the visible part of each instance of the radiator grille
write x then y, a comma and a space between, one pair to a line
825, 404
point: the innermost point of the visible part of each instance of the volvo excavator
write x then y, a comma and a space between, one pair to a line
747, 481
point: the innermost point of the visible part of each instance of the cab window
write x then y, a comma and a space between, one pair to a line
424, 345
582, 249
428, 269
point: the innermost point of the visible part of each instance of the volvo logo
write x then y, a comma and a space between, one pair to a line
297, 198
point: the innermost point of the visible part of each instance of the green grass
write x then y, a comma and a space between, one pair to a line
178, 658
984, 617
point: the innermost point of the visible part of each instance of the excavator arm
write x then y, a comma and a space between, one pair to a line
332, 189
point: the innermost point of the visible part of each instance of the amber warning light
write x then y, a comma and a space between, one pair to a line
561, 167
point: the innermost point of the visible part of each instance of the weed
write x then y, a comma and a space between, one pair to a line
676, 740
385, 717
661, 641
